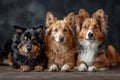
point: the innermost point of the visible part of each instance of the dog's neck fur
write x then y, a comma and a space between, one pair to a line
59, 48
87, 51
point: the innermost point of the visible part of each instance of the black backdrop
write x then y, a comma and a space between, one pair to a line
31, 13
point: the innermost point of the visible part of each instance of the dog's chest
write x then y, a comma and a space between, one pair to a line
87, 54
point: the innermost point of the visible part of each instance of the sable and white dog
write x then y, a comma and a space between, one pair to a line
60, 42
93, 54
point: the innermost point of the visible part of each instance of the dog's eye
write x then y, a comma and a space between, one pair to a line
65, 30
56, 30
34, 41
25, 38
95, 27
85, 27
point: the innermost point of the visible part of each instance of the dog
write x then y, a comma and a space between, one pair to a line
60, 43
27, 49
93, 52
6, 55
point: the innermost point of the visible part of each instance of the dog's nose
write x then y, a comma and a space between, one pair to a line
90, 34
61, 39
28, 48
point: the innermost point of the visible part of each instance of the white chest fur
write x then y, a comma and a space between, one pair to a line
88, 52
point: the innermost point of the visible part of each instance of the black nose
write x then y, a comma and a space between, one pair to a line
61, 38
28, 47
90, 34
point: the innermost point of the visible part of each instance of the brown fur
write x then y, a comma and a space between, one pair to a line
60, 53
100, 61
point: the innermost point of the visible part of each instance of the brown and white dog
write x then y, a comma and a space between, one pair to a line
60, 42
93, 54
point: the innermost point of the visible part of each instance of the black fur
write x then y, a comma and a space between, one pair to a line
18, 41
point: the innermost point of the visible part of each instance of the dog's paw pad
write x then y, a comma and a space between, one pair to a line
65, 68
92, 69
25, 68
82, 68
38, 68
53, 68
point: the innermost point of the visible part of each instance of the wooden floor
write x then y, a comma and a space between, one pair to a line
7, 73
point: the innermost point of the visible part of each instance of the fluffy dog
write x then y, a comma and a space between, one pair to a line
60, 43
27, 49
93, 53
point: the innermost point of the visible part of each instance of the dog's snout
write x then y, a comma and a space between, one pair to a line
61, 38
29, 47
90, 34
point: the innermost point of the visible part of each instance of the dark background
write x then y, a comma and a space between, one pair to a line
31, 13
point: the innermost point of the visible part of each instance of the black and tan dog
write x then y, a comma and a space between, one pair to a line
28, 49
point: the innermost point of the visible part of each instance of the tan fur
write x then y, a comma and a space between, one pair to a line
34, 52
39, 68
60, 53
8, 61
100, 61
24, 68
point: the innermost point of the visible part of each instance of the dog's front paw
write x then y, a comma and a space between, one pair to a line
82, 68
65, 68
24, 68
92, 69
38, 68
53, 68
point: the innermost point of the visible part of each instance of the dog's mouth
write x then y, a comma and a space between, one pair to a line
30, 55
90, 39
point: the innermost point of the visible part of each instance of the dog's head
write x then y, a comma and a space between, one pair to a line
29, 41
91, 29
59, 30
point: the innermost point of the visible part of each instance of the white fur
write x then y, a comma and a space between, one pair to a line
57, 39
82, 67
92, 68
89, 31
65, 67
88, 52
53, 67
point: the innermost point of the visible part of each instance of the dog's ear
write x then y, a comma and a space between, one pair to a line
19, 30
48, 31
39, 29
70, 18
50, 19
82, 15
102, 18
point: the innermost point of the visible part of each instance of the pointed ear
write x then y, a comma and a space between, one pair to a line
82, 15
50, 19
19, 30
70, 19
102, 18
39, 29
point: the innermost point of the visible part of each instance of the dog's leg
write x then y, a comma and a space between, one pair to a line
25, 68
38, 68
69, 61
81, 66
101, 64
51, 64
9, 60
65, 68
53, 68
